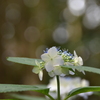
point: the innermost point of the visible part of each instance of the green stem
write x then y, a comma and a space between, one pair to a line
58, 87
65, 98
51, 98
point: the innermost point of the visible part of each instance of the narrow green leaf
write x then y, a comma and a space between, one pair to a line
29, 61
82, 90
26, 97
8, 99
21, 60
16, 88
84, 68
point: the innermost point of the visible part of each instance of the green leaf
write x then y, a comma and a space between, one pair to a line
65, 70
82, 90
16, 88
29, 61
21, 60
8, 99
26, 97
84, 68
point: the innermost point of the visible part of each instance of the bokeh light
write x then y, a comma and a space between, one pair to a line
92, 16
13, 13
68, 16
8, 53
60, 35
77, 7
31, 3
94, 45
32, 34
7, 30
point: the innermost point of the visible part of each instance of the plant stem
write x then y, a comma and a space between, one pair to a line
58, 87
51, 98
65, 98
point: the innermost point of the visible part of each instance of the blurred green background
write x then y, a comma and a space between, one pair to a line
27, 27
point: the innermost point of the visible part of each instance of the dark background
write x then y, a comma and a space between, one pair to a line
27, 27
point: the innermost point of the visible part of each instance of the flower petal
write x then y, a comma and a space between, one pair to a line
75, 54
80, 61
71, 72
57, 70
84, 95
62, 75
45, 57
84, 83
58, 61
41, 75
37, 63
52, 52
83, 72
68, 63
49, 66
36, 70
51, 74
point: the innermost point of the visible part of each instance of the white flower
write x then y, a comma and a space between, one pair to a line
38, 70
55, 58
85, 83
78, 61
66, 85
52, 59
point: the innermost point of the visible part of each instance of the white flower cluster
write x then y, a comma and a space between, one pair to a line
66, 85
54, 58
